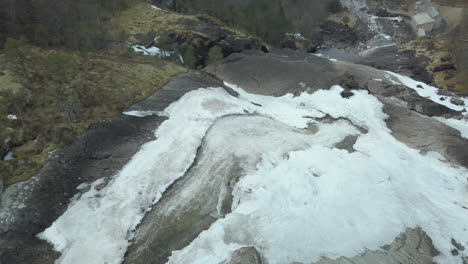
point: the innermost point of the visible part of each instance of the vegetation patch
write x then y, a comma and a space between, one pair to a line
447, 72
58, 94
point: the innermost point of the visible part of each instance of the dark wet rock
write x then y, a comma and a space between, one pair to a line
382, 12
338, 35
200, 35
457, 245
247, 255
346, 93
46, 196
412, 246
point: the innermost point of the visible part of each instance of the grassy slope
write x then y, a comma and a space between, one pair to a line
53, 111
142, 19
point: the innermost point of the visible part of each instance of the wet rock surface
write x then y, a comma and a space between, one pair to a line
400, 61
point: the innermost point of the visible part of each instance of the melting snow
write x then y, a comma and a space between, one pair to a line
300, 207
151, 51
12, 117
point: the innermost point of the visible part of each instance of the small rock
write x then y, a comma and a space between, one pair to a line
457, 101
457, 245
346, 94
246, 255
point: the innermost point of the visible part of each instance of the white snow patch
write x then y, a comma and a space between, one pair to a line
181, 59
296, 208
142, 113
151, 51
459, 124
8, 156
12, 117
157, 8
297, 36
428, 91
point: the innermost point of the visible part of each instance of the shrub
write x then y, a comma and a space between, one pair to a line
59, 65
15, 51
214, 54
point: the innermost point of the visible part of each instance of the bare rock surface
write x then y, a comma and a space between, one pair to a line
425, 133
413, 246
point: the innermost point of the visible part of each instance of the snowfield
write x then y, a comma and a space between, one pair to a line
303, 200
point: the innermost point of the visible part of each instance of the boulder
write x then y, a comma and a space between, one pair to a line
457, 101
246, 255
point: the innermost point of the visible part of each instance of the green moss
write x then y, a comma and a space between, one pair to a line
53, 108
215, 54
189, 56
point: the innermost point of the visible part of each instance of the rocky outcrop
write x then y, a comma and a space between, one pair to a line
194, 40
248, 255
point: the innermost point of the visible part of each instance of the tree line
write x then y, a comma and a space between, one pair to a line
72, 24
